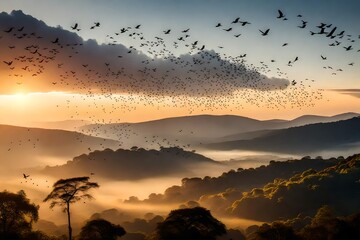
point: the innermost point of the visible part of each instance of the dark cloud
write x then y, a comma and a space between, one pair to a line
48, 58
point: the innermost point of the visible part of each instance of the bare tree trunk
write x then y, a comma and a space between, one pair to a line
69, 223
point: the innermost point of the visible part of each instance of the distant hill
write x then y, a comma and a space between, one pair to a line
69, 125
300, 140
133, 164
300, 121
22, 147
195, 130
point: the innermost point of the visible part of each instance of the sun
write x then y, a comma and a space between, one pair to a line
20, 98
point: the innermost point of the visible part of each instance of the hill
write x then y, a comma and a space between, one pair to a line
336, 186
192, 189
133, 164
195, 130
22, 147
69, 125
306, 139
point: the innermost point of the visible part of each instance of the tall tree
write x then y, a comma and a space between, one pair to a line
68, 191
16, 214
100, 229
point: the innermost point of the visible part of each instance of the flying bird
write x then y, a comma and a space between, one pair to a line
264, 33
245, 23
281, 14
348, 48
9, 30
330, 34
75, 26
236, 20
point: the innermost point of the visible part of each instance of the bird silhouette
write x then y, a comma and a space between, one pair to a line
348, 48
236, 20
281, 14
9, 30
330, 34
75, 26
264, 33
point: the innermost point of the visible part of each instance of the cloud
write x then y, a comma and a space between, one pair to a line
46, 59
351, 91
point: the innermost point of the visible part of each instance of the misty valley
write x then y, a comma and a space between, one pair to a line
179, 120
259, 192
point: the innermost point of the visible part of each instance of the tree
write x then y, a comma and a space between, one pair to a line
190, 224
16, 214
275, 231
100, 229
68, 191
325, 225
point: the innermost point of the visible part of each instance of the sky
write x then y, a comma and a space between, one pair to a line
266, 83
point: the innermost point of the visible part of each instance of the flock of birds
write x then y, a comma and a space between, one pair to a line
200, 79
150, 73
35, 183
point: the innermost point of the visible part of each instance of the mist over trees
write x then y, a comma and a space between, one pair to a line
296, 199
124, 164
304, 193
239, 180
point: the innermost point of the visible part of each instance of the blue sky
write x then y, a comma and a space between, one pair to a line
201, 16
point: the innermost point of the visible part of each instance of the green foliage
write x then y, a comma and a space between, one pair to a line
100, 229
275, 231
16, 215
326, 226
190, 224
323, 226
304, 193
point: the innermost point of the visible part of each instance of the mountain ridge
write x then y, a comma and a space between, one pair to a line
301, 139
